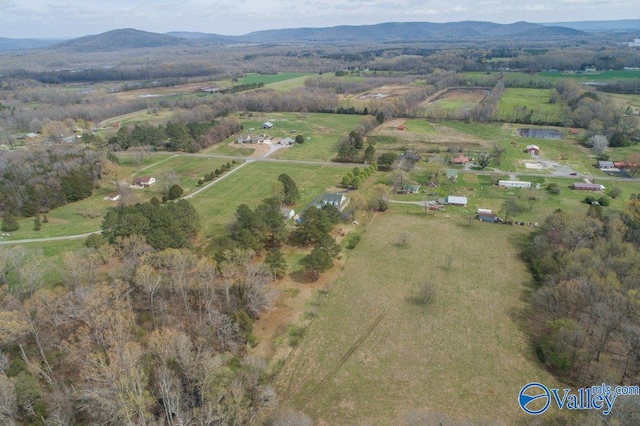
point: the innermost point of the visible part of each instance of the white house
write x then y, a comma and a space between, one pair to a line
145, 181
339, 201
513, 184
113, 197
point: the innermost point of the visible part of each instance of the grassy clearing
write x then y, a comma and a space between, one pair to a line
71, 219
224, 148
600, 75
464, 355
453, 102
290, 84
324, 131
144, 116
533, 104
254, 78
187, 168
254, 183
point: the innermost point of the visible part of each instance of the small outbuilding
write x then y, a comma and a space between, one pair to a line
605, 165
287, 213
487, 217
113, 197
533, 149
267, 125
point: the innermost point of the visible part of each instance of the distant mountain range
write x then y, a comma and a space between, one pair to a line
388, 32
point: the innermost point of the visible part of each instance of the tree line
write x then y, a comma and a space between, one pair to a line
584, 312
175, 136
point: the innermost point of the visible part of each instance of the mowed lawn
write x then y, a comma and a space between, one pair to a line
255, 182
466, 355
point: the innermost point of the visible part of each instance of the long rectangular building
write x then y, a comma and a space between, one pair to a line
581, 186
513, 184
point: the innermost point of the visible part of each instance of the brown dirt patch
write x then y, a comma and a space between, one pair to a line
182, 89
295, 298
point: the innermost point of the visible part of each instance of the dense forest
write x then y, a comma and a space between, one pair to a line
585, 308
35, 181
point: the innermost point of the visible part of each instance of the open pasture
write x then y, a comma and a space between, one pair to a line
323, 131
375, 356
182, 169
453, 103
529, 105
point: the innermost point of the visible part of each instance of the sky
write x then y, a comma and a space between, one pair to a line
75, 18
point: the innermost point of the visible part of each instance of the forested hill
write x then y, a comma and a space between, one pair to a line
622, 25
127, 38
415, 31
468, 31
8, 44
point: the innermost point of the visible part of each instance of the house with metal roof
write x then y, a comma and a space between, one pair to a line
456, 200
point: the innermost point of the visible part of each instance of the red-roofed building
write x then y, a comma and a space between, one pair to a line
401, 127
460, 159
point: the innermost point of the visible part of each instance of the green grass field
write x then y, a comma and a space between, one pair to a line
372, 356
254, 78
186, 170
290, 84
518, 104
598, 75
324, 131
253, 183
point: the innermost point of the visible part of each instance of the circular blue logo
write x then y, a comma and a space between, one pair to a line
533, 396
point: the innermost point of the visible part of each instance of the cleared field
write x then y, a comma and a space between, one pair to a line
454, 103
599, 75
324, 131
253, 183
254, 78
529, 105
182, 169
372, 356
144, 116
182, 89
427, 136
71, 219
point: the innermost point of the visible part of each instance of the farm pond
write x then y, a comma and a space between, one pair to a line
540, 133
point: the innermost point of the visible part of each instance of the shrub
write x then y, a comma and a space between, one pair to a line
353, 241
604, 201
426, 294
